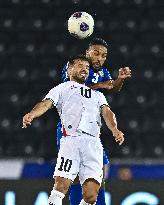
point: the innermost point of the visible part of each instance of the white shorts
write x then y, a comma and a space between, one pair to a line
83, 156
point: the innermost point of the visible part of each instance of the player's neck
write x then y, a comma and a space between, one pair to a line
95, 70
77, 80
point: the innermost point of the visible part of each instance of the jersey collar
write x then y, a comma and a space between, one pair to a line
95, 70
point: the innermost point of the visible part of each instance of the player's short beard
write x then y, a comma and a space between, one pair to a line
95, 68
79, 80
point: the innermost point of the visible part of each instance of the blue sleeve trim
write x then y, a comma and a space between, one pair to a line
65, 77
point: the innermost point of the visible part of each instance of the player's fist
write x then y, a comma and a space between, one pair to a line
124, 73
119, 136
27, 119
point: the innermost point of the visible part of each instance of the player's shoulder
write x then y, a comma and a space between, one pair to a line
104, 69
100, 97
98, 93
106, 73
68, 84
65, 67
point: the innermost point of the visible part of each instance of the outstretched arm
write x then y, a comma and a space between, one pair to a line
111, 123
115, 85
102, 85
38, 110
123, 74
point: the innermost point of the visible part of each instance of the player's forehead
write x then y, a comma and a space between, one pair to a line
81, 62
98, 48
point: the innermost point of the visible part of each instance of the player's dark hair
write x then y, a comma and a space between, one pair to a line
76, 57
98, 41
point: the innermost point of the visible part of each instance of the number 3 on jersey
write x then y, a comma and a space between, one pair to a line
96, 78
85, 92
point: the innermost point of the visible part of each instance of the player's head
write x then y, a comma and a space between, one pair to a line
78, 68
97, 52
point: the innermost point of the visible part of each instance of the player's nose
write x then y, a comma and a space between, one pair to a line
99, 57
85, 69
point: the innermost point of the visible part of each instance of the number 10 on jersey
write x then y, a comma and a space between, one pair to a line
85, 92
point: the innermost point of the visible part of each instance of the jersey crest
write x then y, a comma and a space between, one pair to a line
101, 73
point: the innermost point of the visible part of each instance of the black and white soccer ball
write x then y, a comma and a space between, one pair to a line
81, 25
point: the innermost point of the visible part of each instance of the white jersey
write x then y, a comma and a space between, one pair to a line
79, 108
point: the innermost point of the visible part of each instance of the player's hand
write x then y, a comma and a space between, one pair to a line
27, 119
119, 136
124, 73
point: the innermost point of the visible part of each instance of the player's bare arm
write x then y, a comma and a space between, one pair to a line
124, 73
111, 123
103, 85
38, 110
115, 85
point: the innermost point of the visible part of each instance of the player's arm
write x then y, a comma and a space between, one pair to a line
115, 85
103, 85
123, 74
50, 99
111, 122
38, 110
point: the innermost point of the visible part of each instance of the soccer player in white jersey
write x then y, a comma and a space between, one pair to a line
81, 151
99, 78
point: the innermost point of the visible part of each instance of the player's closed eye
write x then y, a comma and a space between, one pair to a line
80, 65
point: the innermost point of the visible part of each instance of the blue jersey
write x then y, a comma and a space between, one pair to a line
95, 76
101, 75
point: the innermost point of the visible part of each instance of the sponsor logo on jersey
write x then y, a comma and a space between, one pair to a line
69, 126
101, 73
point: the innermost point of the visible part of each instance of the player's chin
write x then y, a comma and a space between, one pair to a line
81, 79
96, 67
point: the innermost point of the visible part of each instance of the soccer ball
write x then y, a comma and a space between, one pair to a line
80, 25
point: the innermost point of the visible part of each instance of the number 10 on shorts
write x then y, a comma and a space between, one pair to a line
65, 165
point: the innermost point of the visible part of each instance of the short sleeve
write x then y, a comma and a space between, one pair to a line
102, 100
54, 94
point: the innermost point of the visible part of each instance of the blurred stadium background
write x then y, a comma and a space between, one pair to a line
34, 45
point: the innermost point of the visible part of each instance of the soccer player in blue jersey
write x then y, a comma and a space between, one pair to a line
99, 78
